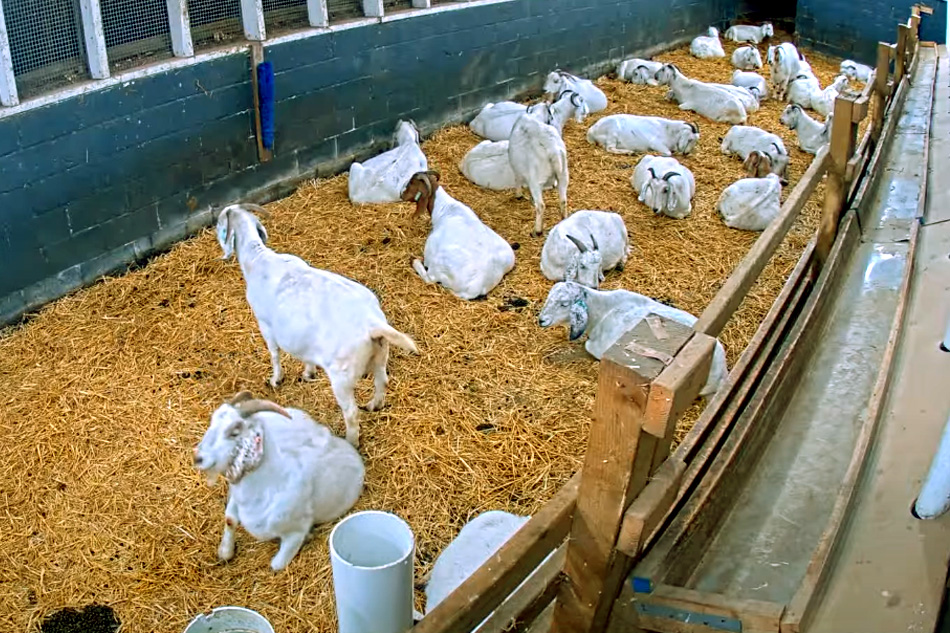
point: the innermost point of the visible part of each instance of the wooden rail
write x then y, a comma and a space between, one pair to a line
565, 568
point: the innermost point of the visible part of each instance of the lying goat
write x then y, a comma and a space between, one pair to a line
566, 254
742, 140
751, 204
750, 33
853, 70
461, 253
753, 82
382, 178
712, 102
285, 472
638, 71
496, 120
606, 315
747, 58
634, 134
559, 81
320, 318
824, 101
812, 135
664, 185
707, 46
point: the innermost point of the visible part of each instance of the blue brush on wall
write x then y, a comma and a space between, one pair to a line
265, 93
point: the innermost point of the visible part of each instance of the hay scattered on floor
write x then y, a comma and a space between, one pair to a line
105, 392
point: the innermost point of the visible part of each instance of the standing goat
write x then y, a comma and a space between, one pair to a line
751, 204
750, 33
538, 158
638, 71
747, 58
707, 46
320, 318
664, 185
559, 81
285, 472
812, 135
634, 133
784, 64
461, 253
709, 101
382, 178
606, 315
566, 254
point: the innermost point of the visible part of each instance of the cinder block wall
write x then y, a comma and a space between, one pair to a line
99, 180
853, 29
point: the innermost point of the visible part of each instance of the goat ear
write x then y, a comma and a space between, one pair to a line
579, 318
227, 240
261, 231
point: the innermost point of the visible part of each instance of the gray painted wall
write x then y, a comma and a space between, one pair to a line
98, 181
849, 28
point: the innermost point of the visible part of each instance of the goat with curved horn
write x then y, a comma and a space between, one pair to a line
579, 244
670, 174
247, 408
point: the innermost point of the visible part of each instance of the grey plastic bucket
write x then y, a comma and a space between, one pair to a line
230, 620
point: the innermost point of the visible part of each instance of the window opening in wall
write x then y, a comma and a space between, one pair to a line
215, 22
392, 6
435, 2
339, 10
46, 44
284, 15
136, 32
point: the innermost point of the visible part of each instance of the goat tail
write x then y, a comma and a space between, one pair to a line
394, 337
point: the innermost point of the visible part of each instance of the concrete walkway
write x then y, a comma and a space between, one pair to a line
891, 569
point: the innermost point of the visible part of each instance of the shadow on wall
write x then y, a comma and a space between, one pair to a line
853, 29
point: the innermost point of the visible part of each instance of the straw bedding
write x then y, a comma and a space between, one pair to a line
105, 392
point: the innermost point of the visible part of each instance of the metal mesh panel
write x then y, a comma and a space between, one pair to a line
344, 9
215, 22
284, 15
390, 6
136, 32
46, 44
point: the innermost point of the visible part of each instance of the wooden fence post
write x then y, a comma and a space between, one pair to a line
900, 63
843, 139
881, 93
621, 455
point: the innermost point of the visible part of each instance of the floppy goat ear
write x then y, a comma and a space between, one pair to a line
578, 319
226, 233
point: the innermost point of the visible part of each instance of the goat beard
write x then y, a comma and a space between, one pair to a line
246, 456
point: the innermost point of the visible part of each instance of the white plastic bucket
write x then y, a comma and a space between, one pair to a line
230, 620
371, 554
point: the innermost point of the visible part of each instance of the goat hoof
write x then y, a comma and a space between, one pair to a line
536, 233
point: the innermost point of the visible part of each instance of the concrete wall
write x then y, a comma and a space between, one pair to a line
853, 29
112, 175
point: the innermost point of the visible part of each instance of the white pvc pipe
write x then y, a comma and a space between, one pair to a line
371, 554
934, 497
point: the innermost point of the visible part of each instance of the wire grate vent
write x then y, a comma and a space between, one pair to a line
46, 44
284, 15
344, 10
215, 22
136, 32
391, 6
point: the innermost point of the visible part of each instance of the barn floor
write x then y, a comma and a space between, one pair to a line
106, 392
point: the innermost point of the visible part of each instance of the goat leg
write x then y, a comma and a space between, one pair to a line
290, 544
226, 548
274, 351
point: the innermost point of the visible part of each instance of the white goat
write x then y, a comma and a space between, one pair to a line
707, 46
741, 140
567, 255
803, 89
751, 204
812, 135
606, 315
750, 33
487, 165
559, 81
824, 102
747, 58
633, 134
856, 71
382, 178
320, 318
461, 253
496, 120
706, 100
538, 158
638, 71
664, 185
784, 64
285, 472
753, 82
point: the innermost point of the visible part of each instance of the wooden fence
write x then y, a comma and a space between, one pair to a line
580, 547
